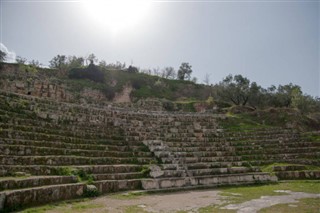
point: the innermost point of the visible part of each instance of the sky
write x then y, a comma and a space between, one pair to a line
270, 42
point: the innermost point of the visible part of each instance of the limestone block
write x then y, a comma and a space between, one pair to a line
150, 184
19, 85
155, 171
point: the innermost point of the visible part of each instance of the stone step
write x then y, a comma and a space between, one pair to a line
205, 149
164, 154
107, 186
69, 160
215, 180
208, 171
289, 168
9, 183
298, 175
15, 199
118, 176
202, 143
215, 164
9, 134
217, 171
12, 133
305, 161
21, 150
188, 160
8, 170
32, 125
281, 156
297, 150
62, 145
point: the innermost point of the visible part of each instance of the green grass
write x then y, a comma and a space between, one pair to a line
312, 137
310, 205
244, 193
134, 209
128, 195
65, 207
215, 209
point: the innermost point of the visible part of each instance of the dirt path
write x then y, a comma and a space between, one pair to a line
187, 201
172, 202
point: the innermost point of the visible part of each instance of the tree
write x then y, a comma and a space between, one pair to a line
286, 93
75, 62
34, 63
235, 89
3, 56
21, 60
133, 69
91, 58
184, 71
58, 62
91, 72
169, 73
206, 79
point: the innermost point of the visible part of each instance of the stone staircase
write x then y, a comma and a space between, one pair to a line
52, 151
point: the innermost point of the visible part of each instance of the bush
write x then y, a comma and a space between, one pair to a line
91, 191
92, 72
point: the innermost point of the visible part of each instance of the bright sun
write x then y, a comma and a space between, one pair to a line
117, 15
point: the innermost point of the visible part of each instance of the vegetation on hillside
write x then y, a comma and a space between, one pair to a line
174, 88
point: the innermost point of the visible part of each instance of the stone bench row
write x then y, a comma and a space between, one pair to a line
272, 150
208, 171
9, 170
70, 160
200, 143
115, 140
74, 133
211, 153
298, 175
187, 160
10, 183
121, 147
21, 150
217, 180
46, 194
281, 156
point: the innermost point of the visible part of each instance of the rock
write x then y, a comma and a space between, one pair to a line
155, 171
91, 191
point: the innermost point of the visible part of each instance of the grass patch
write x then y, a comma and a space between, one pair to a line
315, 137
215, 209
65, 207
134, 209
128, 195
244, 193
311, 205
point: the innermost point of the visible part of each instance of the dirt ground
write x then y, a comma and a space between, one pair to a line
186, 201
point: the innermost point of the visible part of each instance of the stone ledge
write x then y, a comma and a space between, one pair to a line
12, 200
167, 183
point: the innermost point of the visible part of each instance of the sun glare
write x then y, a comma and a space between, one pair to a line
117, 15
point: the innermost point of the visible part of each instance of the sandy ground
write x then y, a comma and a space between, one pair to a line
189, 201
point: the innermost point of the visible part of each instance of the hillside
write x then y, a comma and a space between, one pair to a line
141, 91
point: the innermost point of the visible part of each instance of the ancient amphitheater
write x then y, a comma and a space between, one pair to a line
53, 150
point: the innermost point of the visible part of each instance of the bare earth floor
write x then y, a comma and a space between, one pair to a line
186, 201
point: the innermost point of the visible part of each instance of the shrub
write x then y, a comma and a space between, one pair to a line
92, 72
91, 191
